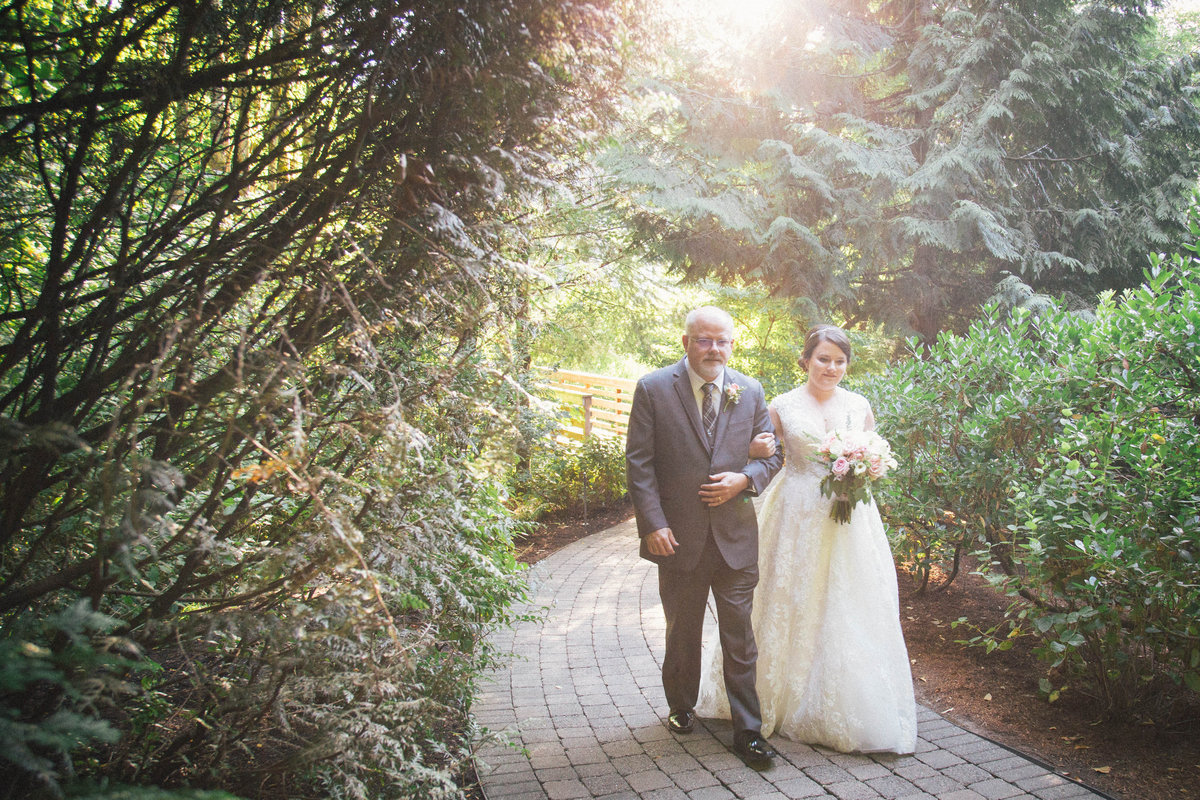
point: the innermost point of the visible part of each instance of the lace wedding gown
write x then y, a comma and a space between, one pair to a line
832, 665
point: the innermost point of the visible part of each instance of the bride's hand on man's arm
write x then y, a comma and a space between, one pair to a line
762, 445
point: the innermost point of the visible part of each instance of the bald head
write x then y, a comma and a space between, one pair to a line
708, 314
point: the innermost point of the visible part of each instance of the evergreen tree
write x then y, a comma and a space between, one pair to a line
254, 256
896, 159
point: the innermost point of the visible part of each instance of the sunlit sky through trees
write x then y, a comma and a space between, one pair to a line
728, 23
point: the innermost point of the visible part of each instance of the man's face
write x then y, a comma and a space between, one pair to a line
709, 344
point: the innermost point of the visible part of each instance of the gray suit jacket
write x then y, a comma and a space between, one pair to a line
668, 457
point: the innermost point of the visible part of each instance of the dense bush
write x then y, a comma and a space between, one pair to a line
965, 419
576, 478
1064, 448
1107, 522
256, 256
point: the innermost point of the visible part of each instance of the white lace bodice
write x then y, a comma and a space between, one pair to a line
806, 421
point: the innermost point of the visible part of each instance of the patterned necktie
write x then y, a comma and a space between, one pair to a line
709, 409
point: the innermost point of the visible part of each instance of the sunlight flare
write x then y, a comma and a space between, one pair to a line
729, 23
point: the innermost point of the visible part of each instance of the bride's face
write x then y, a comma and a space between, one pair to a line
827, 366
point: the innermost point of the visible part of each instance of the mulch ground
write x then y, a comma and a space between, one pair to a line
996, 694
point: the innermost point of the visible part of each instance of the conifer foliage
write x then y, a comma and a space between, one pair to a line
252, 255
896, 159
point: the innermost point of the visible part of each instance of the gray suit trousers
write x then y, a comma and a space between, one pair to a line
684, 595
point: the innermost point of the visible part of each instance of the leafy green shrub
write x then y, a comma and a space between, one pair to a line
1065, 449
576, 478
964, 420
150, 793
1108, 520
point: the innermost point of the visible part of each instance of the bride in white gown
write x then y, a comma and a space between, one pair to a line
832, 665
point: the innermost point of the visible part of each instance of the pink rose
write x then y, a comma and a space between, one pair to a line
876, 468
840, 467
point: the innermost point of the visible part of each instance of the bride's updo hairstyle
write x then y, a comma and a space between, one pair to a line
824, 333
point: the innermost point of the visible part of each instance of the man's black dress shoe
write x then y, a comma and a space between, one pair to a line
681, 721
753, 749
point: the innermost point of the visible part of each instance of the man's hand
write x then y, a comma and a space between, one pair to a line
762, 445
724, 487
661, 542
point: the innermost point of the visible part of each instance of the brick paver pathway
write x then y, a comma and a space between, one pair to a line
581, 703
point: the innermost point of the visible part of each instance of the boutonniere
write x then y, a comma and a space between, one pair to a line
733, 393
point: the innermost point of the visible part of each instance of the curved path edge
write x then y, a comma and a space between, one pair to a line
578, 712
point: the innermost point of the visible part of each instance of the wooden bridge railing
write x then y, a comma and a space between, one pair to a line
598, 403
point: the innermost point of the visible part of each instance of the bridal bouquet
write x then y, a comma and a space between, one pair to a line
856, 459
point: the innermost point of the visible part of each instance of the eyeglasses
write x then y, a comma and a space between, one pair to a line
704, 344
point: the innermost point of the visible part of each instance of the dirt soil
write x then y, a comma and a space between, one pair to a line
996, 694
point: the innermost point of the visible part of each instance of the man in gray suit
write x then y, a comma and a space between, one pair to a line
690, 477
